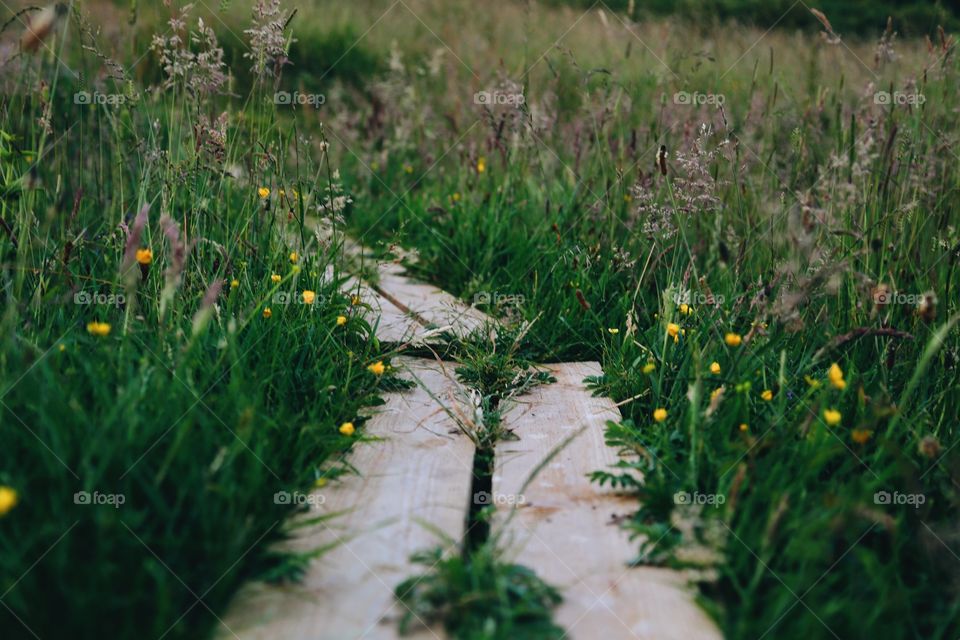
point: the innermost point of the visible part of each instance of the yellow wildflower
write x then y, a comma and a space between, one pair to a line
275, 278
744, 426
832, 417
815, 384
354, 299
144, 256
309, 296
234, 284
673, 330
685, 309
267, 312
649, 368
835, 374
294, 257
377, 368
99, 329
263, 192
860, 436
341, 320
456, 196
660, 414
613, 330
767, 395
347, 428
8, 499
481, 164
733, 339
715, 368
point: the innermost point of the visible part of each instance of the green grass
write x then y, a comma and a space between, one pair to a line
147, 462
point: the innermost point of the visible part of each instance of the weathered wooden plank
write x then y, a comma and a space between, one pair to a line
420, 472
563, 529
432, 304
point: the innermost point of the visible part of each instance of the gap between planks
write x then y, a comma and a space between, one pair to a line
563, 530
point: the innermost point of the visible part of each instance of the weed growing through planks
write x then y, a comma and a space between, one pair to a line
470, 587
480, 596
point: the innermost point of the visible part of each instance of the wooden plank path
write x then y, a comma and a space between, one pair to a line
419, 472
563, 529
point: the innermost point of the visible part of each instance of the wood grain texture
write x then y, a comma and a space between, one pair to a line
419, 472
563, 529
434, 306
411, 310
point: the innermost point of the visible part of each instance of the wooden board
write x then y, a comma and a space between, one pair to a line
563, 530
434, 306
420, 471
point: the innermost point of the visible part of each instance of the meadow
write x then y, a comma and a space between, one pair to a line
753, 230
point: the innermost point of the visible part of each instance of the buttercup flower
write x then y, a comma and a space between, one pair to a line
832, 417
377, 368
733, 339
309, 296
267, 312
673, 330
8, 499
144, 256
481, 164
341, 320
294, 257
835, 375
685, 309
99, 329
744, 426
613, 331
715, 368
649, 368
767, 395
860, 436
234, 284
660, 414
347, 428
263, 192
275, 278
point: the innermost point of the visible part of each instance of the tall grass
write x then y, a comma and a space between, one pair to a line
153, 455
